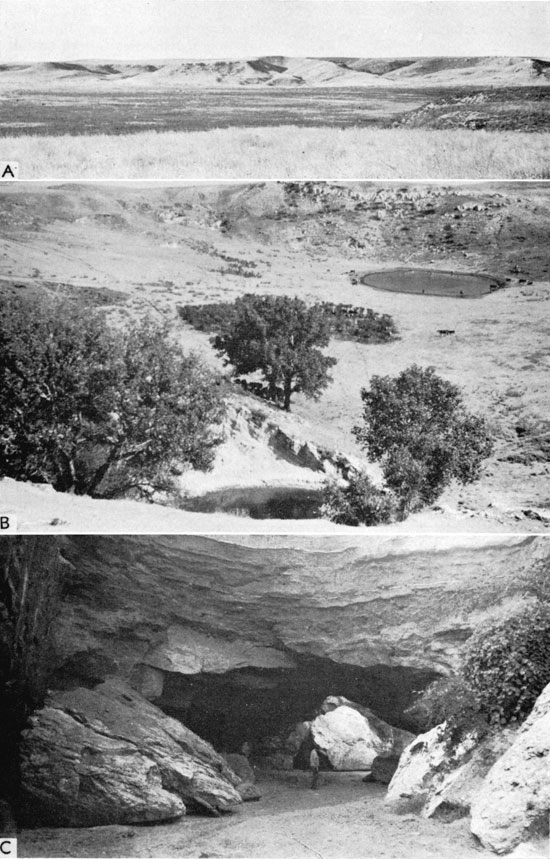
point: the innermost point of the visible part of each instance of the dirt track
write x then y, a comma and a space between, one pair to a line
344, 818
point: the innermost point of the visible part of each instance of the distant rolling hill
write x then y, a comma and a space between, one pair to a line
278, 71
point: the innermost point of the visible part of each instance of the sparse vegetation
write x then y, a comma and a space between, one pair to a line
96, 411
281, 338
417, 427
450, 700
214, 317
345, 321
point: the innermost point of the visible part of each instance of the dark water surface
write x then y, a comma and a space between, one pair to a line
261, 502
418, 281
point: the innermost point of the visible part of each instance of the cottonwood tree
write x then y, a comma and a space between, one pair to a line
281, 337
417, 427
98, 411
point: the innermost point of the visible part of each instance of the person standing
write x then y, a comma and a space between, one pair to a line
314, 764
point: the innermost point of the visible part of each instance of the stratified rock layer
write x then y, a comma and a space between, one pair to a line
196, 623
391, 601
103, 756
514, 802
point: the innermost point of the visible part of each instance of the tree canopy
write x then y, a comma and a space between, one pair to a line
417, 427
281, 337
95, 410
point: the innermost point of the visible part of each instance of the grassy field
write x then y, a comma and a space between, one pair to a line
285, 152
65, 112
58, 112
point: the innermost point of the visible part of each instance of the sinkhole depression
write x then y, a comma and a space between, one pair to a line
424, 281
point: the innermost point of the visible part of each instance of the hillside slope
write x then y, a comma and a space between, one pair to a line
279, 71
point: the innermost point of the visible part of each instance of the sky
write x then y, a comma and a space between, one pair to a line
32, 30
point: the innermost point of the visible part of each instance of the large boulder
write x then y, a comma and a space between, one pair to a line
451, 796
351, 736
439, 778
73, 775
514, 802
103, 756
245, 773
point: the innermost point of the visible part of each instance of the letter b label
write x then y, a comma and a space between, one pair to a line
8, 525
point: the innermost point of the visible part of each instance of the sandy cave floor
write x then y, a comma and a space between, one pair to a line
344, 818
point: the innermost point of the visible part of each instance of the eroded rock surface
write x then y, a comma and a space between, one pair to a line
437, 778
241, 637
396, 602
103, 756
514, 803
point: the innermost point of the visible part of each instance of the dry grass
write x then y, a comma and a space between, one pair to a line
286, 152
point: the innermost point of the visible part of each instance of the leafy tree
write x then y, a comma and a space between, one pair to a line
279, 337
98, 411
415, 424
358, 502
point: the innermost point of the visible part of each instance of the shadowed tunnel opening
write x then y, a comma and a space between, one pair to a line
253, 704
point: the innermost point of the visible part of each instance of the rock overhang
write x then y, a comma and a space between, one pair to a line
370, 618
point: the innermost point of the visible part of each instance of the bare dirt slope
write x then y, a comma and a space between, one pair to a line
146, 249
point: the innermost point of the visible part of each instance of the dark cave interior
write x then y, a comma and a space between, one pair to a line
252, 704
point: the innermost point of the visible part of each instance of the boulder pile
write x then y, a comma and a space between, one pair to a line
502, 780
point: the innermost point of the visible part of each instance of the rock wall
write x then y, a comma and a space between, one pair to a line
199, 624
501, 780
405, 601
513, 804
439, 779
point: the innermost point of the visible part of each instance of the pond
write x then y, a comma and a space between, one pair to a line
419, 281
261, 502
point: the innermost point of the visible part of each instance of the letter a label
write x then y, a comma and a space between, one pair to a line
9, 171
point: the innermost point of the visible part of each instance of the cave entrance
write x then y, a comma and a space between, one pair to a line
262, 706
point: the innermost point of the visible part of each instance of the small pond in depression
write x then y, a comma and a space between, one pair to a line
419, 281
261, 502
